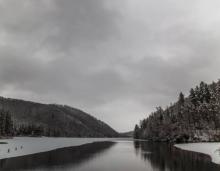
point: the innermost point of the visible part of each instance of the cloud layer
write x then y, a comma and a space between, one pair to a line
117, 59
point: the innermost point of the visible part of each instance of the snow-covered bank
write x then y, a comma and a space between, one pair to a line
20, 146
211, 149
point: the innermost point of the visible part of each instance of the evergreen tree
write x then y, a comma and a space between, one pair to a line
206, 94
136, 132
192, 97
8, 124
198, 94
2, 123
202, 91
181, 101
181, 98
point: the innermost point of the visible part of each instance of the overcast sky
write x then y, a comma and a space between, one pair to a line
115, 59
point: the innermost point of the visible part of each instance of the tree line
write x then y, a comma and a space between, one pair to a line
190, 119
8, 128
6, 124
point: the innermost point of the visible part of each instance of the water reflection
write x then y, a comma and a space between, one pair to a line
165, 157
73, 156
108, 156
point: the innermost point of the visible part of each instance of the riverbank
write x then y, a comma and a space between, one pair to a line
21, 146
211, 149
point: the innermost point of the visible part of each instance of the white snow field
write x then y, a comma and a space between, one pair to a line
211, 149
20, 146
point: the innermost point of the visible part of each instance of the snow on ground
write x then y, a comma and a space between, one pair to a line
211, 149
20, 146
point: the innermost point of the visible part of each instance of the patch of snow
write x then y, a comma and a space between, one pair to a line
211, 149
20, 146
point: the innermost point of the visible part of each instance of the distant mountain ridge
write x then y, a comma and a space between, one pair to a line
127, 134
56, 120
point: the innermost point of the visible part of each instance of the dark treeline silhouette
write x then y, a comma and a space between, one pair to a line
29, 130
8, 128
6, 124
190, 119
36, 119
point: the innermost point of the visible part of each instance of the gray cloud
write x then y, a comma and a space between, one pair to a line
115, 59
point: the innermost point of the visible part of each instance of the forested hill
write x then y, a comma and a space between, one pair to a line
31, 118
190, 119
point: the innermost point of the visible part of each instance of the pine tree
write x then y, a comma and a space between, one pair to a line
136, 132
192, 97
2, 123
202, 91
181, 99
207, 94
8, 124
198, 94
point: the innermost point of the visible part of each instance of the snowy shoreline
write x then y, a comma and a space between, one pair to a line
211, 149
21, 146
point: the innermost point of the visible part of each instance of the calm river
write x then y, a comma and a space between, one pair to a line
112, 156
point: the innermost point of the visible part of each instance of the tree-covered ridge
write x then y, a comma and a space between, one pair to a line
194, 118
36, 119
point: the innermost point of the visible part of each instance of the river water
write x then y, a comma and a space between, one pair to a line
112, 156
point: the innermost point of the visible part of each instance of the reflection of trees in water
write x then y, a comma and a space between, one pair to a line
73, 156
165, 157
